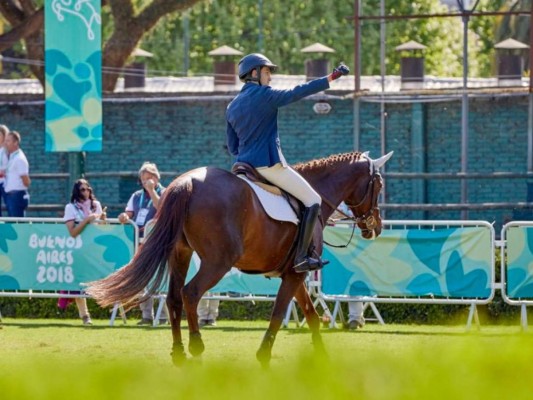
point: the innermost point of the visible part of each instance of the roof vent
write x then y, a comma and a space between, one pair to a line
225, 70
510, 62
412, 65
316, 66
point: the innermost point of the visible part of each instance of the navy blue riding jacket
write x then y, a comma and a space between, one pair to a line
252, 120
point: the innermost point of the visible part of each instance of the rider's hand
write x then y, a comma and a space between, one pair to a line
340, 71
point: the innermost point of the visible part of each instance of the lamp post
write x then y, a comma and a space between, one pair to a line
466, 10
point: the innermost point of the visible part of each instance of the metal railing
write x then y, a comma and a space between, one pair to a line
526, 205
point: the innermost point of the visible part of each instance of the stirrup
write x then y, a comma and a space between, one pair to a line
309, 264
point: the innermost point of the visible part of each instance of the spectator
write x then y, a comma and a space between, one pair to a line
141, 208
82, 210
208, 312
3, 163
17, 177
252, 137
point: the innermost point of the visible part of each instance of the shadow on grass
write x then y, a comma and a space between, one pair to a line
392, 331
121, 326
368, 330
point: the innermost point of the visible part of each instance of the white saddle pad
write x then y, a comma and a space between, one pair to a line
275, 206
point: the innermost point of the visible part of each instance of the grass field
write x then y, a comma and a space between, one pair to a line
60, 359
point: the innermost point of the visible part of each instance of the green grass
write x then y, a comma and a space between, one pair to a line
60, 359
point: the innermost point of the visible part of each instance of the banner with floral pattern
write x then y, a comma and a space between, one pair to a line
439, 263
519, 266
73, 74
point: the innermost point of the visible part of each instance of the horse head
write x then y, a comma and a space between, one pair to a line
364, 205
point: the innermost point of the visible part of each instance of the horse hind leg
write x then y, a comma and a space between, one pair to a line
178, 267
210, 272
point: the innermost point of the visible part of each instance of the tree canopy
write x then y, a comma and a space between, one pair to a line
127, 21
180, 33
281, 29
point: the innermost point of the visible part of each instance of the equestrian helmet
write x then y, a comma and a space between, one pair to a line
252, 61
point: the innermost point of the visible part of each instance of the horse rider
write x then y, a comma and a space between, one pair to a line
252, 137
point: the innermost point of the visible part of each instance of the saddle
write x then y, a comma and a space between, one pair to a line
251, 174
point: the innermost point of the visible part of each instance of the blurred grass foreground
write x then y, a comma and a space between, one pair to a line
59, 359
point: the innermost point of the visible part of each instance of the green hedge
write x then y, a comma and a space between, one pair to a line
495, 312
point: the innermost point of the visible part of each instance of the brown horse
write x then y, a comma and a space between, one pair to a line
216, 214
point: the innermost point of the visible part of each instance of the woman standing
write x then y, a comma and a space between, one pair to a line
82, 210
4, 130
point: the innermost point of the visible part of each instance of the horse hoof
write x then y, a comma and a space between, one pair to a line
196, 345
179, 358
263, 357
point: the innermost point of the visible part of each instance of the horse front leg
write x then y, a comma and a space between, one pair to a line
178, 266
286, 292
311, 316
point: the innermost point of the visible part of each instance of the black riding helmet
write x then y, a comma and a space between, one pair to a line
254, 61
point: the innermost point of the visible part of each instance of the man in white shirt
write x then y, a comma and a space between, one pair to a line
4, 130
17, 177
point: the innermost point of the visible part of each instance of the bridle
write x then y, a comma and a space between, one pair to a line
366, 218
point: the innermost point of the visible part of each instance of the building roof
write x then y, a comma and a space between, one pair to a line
205, 84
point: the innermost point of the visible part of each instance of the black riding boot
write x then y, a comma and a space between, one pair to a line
303, 262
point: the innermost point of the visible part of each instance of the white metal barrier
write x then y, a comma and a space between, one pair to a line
516, 272
517, 266
436, 257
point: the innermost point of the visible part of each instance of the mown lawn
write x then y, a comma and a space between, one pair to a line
60, 359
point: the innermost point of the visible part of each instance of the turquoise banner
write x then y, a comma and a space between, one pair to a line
450, 263
45, 257
73, 69
237, 282
519, 272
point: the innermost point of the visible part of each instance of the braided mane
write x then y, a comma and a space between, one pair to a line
327, 161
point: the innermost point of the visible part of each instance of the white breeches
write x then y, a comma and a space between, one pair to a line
292, 182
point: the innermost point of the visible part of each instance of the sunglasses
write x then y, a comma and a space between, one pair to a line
85, 190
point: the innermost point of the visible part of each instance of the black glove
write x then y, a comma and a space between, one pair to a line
340, 71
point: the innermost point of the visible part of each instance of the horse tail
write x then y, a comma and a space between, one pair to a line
148, 268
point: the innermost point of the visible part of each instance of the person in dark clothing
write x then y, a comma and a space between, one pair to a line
252, 137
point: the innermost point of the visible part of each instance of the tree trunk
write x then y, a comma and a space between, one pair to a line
28, 27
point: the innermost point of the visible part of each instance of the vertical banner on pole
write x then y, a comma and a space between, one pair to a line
73, 68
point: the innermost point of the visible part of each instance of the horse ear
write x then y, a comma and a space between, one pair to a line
366, 154
382, 160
